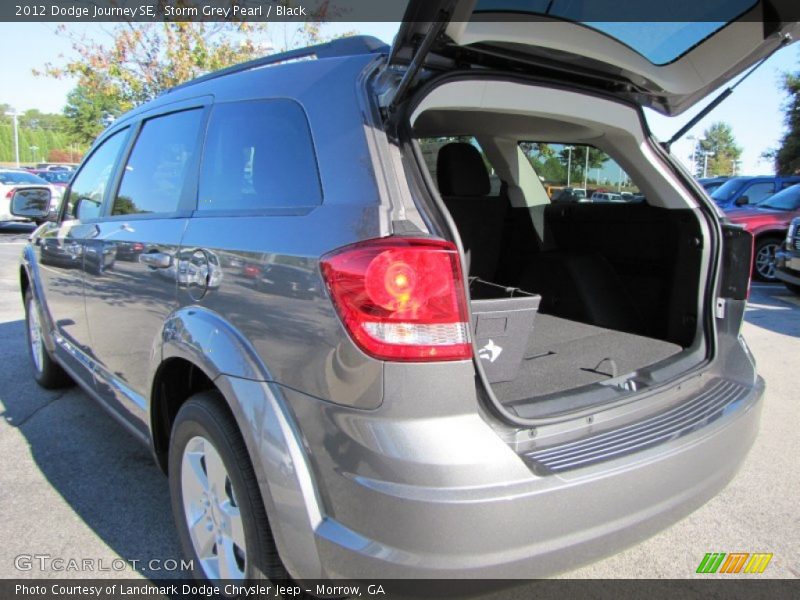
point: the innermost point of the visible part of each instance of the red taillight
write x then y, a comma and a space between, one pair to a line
138, 247
401, 298
10, 193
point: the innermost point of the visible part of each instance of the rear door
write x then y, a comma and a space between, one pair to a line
665, 55
130, 273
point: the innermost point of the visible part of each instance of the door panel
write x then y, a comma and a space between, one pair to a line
130, 275
61, 248
127, 301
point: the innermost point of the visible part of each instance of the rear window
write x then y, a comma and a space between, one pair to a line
661, 32
15, 177
259, 155
728, 190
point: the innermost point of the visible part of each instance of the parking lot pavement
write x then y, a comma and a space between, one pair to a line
74, 484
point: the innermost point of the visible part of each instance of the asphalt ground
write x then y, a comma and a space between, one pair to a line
75, 484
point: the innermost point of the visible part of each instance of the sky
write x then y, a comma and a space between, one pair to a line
753, 111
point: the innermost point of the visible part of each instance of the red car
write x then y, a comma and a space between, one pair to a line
768, 221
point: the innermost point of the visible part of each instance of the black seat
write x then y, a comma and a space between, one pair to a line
581, 286
464, 186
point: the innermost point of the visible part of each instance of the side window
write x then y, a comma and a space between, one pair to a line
785, 184
258, 154
158, 165
89, 185
580, 173
759, 191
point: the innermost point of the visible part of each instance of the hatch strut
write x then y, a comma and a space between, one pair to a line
437, 27
716, 101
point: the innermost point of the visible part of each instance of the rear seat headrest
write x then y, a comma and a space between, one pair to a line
460, 171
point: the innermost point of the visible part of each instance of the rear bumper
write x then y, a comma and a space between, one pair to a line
522, 527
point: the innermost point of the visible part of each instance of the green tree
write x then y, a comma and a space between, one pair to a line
87, 113
719, 144
139, 61
787, 156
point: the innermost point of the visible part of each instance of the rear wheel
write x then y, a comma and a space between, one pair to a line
221, 521
764, 259
47, 372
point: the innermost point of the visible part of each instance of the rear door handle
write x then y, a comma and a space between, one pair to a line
157, 260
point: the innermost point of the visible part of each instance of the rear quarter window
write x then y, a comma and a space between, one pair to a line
258, 155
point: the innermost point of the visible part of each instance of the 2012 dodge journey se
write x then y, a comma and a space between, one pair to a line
334, 298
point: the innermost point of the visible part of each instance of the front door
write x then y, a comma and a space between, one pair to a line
60, 250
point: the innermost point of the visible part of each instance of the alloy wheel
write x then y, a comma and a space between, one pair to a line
212, 512
765, 260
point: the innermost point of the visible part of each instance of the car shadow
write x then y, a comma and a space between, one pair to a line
106, 476
775, 308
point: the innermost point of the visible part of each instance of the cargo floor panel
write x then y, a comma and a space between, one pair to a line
564, 354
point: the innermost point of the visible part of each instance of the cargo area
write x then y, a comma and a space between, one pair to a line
592, 282
562, 354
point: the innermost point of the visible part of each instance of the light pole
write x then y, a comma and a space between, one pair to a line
15, 114
586, 170
706, 154
694, 150
734, 165
569, 161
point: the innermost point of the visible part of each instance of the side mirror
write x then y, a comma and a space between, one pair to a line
31, 203
86, 208
742, 200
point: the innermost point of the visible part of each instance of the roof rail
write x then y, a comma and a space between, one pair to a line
348, 46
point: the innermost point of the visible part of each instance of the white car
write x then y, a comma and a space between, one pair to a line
14, 179
606, 197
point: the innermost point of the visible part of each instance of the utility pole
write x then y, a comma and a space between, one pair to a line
569, 162
15, 114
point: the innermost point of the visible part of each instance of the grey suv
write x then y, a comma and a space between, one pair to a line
353, 363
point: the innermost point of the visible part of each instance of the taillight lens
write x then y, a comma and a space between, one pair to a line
401, 299
10, 193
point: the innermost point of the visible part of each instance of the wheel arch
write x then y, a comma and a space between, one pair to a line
199, 351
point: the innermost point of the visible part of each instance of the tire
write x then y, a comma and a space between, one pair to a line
795, 289
212, 498
47, 372
764, 259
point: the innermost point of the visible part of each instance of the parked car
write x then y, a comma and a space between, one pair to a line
738, 192
712, 183
570, 195
56, 166
14, 179
382, 423
768, 222
787, 259
607, 197
57, 178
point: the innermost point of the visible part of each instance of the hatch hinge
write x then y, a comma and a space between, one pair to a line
785, 40
435, 31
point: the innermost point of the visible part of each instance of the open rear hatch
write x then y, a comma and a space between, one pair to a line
586, 320
666, 56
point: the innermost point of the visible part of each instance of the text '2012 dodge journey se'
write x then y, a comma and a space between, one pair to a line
334, 298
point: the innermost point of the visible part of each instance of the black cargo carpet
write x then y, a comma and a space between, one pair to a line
564, 354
